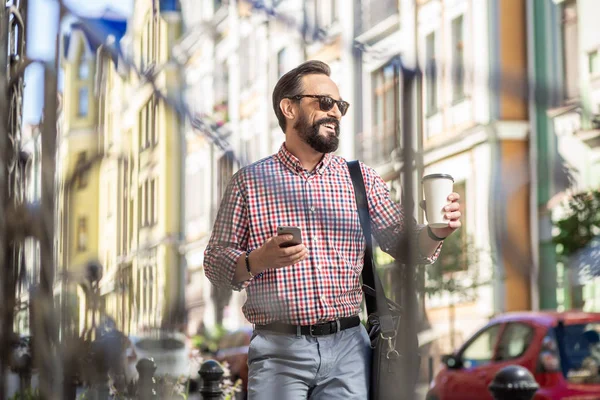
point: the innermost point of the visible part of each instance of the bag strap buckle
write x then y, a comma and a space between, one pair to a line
392, 353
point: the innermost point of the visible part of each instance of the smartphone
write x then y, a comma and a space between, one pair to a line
290, 230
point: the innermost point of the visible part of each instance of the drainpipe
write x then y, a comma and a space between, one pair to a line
540, 17
533, 160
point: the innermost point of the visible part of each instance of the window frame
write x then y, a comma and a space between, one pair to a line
431, 75
475, 337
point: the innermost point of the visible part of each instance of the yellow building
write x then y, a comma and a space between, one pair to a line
134, 207
77, 204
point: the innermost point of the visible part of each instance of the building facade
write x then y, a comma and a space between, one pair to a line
78, 192
569, 134
475, 128
133, 220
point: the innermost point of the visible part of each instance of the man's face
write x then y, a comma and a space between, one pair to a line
319, 129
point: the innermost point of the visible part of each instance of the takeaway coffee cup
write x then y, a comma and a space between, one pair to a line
437, 188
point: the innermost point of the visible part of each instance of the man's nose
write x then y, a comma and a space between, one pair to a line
335, 112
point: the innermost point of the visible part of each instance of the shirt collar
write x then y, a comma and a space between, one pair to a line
294, 164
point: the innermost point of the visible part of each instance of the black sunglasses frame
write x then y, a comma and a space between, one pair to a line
325, 102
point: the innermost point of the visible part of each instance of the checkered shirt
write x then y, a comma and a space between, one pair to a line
278, 191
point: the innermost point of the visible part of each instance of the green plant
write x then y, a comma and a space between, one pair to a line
579, 225
28, 394
458, 269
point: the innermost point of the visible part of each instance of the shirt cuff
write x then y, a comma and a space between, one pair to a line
239, 286
426, 260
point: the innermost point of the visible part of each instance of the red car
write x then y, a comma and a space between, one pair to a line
562, 350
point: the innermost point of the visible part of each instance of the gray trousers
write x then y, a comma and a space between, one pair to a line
283, 366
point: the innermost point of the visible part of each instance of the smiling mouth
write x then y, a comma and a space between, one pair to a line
331, 127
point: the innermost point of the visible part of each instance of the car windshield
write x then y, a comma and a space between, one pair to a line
580, 351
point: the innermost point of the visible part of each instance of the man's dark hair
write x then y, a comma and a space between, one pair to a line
290, 84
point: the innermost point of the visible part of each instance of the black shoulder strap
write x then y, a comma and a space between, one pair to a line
369, 275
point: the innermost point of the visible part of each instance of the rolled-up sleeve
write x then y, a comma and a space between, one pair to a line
388, 221
229, 238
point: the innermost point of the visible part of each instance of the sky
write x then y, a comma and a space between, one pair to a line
41, 36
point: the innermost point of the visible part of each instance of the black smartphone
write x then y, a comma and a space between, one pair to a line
290, 230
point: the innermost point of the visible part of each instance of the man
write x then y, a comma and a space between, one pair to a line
304, 300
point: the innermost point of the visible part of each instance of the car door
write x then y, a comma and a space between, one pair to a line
468, 382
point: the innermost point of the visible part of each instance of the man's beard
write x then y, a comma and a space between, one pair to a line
310, 134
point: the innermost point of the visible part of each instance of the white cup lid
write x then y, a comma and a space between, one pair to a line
438, 176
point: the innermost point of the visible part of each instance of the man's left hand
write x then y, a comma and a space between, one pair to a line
453, 215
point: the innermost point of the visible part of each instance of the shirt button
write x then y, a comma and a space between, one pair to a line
312, 209
314, 239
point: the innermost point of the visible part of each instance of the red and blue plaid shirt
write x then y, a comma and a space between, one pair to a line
278, 191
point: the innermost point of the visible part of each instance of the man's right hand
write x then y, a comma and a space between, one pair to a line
271, 255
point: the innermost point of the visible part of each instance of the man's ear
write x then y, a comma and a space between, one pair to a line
287, 108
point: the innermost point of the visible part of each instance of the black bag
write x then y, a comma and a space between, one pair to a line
393, 374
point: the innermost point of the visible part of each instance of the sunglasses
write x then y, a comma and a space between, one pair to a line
326, 103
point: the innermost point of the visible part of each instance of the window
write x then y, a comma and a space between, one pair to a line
580, 344
375, 11
384, 134
570, 48
481, 350
124, 205
594, 63
281, 62
148, 131
149, 203
154, 125
326, 13
84, 70
221, 82
153, 218
146, 280
83, 105
82, 234
247, 59
430, 75
458, 64
147, 44
514, 341
82, 171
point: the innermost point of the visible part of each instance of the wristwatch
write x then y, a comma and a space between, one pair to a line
248, 263
430, 233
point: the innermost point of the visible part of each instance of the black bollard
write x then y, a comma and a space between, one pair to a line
513, 383
210, 376
146, 383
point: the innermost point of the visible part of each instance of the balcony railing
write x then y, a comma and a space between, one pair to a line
375, 11
375, 146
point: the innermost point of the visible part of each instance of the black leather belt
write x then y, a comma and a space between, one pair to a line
321, 329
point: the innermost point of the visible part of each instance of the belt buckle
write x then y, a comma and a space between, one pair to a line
335, 323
